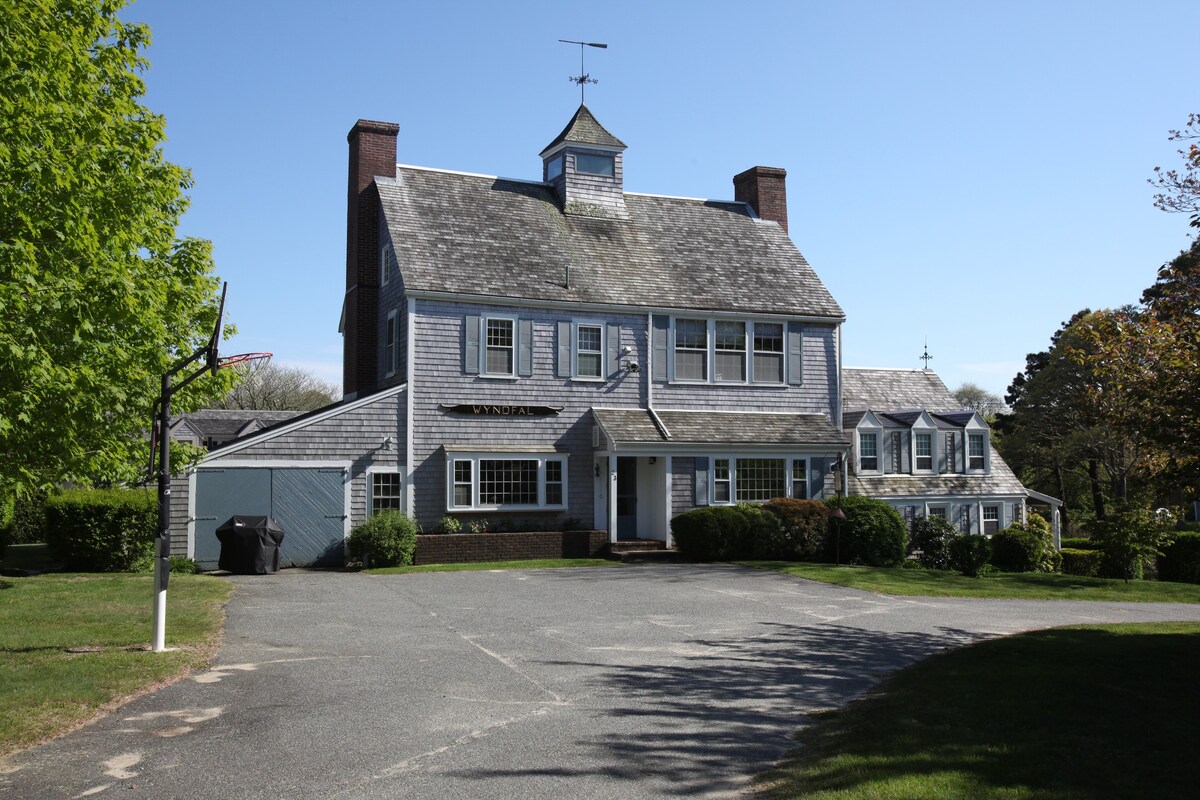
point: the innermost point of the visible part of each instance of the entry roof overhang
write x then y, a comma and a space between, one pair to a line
635, 429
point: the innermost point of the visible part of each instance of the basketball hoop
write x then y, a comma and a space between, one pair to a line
241, 358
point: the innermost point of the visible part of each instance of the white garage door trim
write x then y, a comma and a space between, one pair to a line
347, 480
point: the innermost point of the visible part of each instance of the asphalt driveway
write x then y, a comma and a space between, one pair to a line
638, 682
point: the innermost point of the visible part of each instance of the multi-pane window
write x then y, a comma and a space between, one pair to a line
937, 511
389, 344
387, 257
991, 519
923, 444
498, 483
500, 347
730, 354
799, 479
385, 492
590, 351
463, 483
691, 349
868, 453
721, 480
975, 451
554, 483
594, 165
761, 479
768, 352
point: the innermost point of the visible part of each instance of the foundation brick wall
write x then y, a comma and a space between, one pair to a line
471, 547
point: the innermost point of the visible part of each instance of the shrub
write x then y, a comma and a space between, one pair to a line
763, 537
970, 554
28, 522
872, 533
449, 524
1016, 550
1127, 537
387, 539
1081, 543
182, 565
932, 537
714, 533
6, 515
1180, 560
101, 530
803, 528
1081, 562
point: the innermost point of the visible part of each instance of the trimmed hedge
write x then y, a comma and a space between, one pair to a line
873, 533
101, 530
28, 522
1016, 550
803, 530
970, 554
387, 539
1081, 543
1081, 562
1180, 560
713, 533
932, 537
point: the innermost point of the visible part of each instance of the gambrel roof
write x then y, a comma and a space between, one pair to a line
496, 237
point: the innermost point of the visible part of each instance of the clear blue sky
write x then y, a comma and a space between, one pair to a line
971, 173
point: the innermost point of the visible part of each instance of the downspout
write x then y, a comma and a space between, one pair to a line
658, 423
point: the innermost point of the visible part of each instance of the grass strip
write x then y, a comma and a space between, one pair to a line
47, 690
1002, 585
1104, 711
542, 563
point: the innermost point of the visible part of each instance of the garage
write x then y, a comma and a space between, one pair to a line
310, 502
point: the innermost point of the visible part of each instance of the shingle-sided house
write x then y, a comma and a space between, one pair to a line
550, 352
915, 447
213, 427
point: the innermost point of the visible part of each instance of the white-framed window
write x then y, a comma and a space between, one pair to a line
691, 349
799, 479
589, 350
729, 358
554, 167
386, 490
387, 258
923, 452
991, 519
868, 452
768, 352
594, 164
976, 460
721, 481
938, 511
497, 482
752, 479
390, 335
500, 357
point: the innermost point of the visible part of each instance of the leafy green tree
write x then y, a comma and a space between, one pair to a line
98, 296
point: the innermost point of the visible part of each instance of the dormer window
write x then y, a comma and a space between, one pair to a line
554, 168
594, 164
923, 446
975, 452
868, 453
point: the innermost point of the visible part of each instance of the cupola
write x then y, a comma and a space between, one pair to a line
583, 164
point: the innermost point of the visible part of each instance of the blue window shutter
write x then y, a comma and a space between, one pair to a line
795, 353
662, 329
612, 337
471, 348
702, 481
905, 455
524, 347
564, 349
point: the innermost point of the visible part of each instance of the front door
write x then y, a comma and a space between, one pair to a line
626, 498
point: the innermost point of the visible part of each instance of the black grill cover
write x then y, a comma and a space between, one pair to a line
250, 545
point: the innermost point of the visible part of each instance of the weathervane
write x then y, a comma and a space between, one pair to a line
583, 79
927, 358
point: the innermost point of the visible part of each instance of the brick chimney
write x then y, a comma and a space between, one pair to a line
372, 152
763, 188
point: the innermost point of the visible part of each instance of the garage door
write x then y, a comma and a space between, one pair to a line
309, 503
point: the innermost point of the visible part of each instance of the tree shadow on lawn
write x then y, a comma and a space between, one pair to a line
729, 707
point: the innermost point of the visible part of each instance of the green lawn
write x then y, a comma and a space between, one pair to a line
544, 563
1106, 711
1005, 585
47, 690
